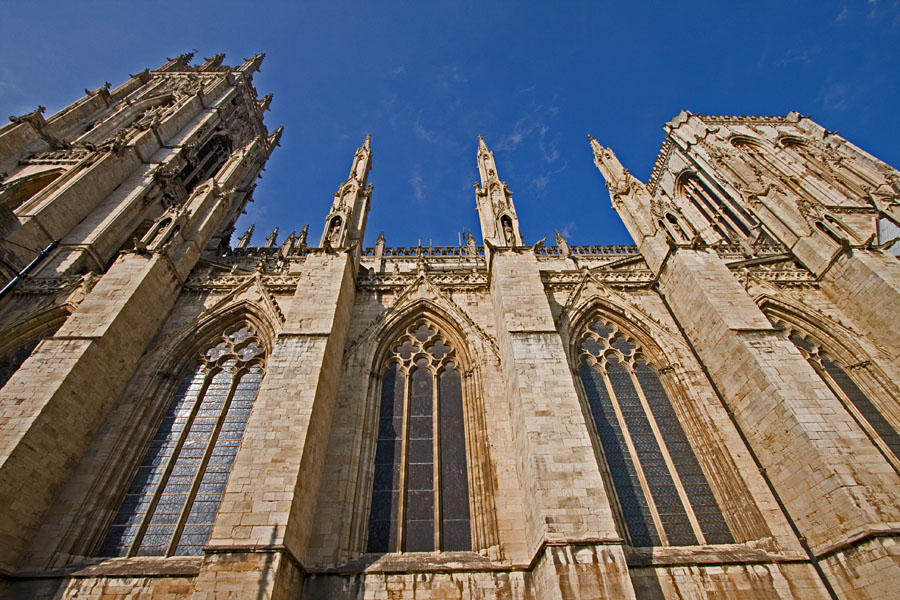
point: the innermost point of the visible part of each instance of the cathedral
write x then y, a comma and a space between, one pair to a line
712, 412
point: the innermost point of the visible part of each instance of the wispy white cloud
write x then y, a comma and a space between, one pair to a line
418, 185
798, 55
835, 95
5, 87
398, 70
842, 16
424, 134
568, 230
540, 184
451, 75
525, 128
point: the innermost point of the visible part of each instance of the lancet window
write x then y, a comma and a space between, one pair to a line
728, 218
663, 495
835, 373
420, 492
171, 504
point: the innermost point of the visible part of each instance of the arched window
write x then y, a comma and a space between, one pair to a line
725, 215
662, 492
835, 373
420, 493
171, 504
210, 157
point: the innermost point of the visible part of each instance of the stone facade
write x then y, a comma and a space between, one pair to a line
712, 413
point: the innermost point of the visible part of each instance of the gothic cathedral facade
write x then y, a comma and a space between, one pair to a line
710, 413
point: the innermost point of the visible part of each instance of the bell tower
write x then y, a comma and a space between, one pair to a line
346, 223
499, 223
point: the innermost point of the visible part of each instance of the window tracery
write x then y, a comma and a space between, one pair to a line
420, 491
173, 499
661, 490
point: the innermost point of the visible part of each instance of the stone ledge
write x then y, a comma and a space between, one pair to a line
725, 554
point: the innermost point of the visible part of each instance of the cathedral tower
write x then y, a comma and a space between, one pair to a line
108, 206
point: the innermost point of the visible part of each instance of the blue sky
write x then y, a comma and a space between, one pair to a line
426, 78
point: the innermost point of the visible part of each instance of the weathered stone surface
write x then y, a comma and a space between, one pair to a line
756, 297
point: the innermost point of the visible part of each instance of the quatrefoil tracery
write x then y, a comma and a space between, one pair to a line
422, 345
240, 347
602, 341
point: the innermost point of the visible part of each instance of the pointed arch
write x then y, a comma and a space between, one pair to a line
864, 389
422, 359
196, 386
672, 477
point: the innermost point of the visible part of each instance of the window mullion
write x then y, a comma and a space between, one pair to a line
635, 459
436, 463
670, 464
404, 461
201, 469
151, 508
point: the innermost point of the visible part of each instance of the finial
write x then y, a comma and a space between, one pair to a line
244, 240
301, 239
270, 241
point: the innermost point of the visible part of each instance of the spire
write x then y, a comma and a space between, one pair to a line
252, 64
301, 239
346, 223
244, 240
499, 223
561, 244
487, 168
288, 244
379, 246
270, 241
265, 102
179, 63
617, 176
362, 162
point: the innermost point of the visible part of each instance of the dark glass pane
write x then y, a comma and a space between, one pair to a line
419, 499
707, 511
662, 487
875, 419
203, 511
455, 530
419, 536
635, 509
386, 488
176, 490
600, 328
149, 475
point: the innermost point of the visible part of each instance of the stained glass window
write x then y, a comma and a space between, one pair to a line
662, 493
420, 492
171, 504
